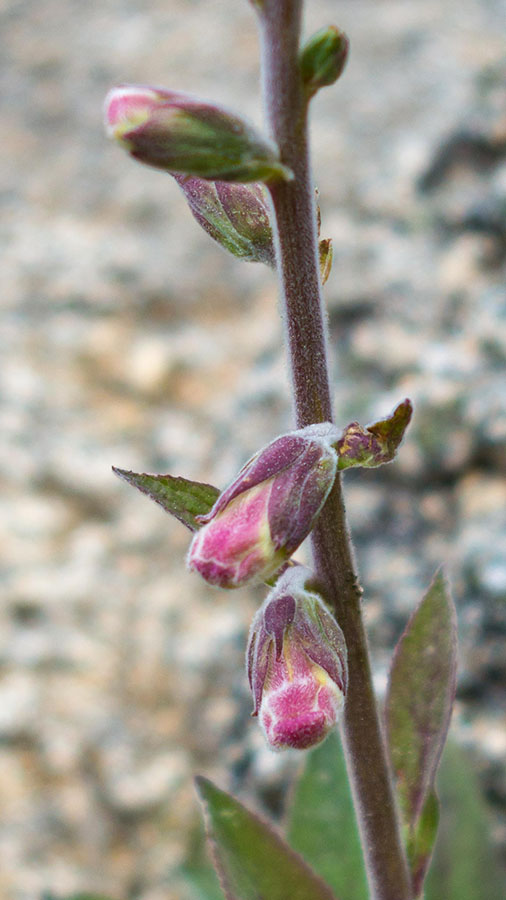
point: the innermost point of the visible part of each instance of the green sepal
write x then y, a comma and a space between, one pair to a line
375, 444
252, 861
178, 496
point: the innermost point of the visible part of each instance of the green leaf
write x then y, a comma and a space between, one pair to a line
322, 825
199, 880
418, 709
200, 883
252, 861
178, 496
464, 866
420, 697
421, 841
377, 443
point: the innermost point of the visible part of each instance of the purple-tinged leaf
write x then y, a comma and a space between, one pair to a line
178, 496
377, 443
418, 710
252, 861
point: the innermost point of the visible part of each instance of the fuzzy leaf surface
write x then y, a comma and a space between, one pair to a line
252, 861
178, 496
322, 825
419, 703
420, 697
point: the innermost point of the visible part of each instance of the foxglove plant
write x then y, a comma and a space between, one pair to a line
307, 659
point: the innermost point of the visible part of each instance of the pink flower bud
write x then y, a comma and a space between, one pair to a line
296, 664
180, 133
268, 510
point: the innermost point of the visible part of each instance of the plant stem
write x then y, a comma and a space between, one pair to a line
306, 335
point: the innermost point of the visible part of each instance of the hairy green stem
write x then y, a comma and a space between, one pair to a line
306, 335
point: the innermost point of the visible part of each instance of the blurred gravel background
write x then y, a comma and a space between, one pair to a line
129, 338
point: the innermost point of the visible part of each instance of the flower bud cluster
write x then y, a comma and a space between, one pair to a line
296, 658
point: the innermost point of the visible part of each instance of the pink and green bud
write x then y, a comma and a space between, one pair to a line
261, 518
235, 215
296, 664
323, 58
180, 133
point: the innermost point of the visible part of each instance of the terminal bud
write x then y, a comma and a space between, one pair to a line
261, 518
181, 133
296, 664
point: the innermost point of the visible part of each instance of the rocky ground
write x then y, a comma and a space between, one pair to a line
129, 338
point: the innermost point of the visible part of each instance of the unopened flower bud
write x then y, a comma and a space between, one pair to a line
235, 215
261, 518
180, 133
296, 664
323, 58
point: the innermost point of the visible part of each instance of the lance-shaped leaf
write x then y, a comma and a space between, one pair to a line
377, 443
178, 496
418, 709
252, 861
322, 825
